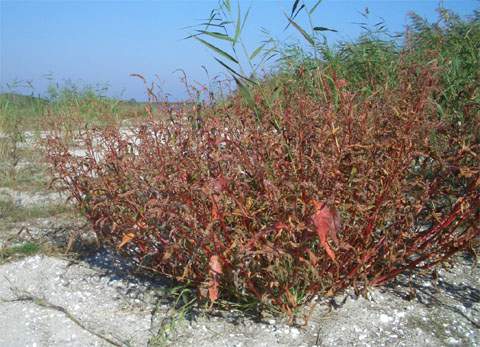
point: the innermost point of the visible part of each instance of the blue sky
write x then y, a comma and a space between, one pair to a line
93, 42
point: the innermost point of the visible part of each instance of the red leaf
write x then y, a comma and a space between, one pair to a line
215, 270
341, 83
219, 184
326, 222
215, 265
215, 211
213, 291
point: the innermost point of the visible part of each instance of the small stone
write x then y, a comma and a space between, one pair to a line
385, 319
294, 332
452, 341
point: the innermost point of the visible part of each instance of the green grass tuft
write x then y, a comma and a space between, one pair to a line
23, 250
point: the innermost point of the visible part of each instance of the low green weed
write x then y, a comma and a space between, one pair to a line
22, 250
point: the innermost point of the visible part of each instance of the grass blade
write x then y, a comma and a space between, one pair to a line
298, 11
234, 72
303, 32
227, 5
294, 14
247, 95
314, 7
245, 18
256, 51
216, 35
294, 7
324, 29
238, 25
217, 50
211, 19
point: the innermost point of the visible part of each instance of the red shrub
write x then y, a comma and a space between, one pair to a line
317, 196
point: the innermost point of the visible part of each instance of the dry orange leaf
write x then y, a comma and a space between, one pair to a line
126, 239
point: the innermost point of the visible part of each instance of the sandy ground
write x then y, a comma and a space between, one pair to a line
50, 301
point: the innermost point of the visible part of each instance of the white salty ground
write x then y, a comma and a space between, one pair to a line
48, 301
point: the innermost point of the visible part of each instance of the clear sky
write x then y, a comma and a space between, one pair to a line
104, 41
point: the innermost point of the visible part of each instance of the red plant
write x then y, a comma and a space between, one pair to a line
316, 197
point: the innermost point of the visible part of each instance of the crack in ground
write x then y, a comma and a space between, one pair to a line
24, 296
